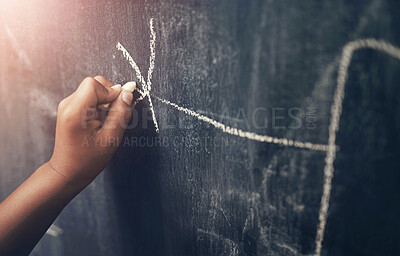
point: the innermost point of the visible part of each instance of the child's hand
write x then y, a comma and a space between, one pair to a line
84, 145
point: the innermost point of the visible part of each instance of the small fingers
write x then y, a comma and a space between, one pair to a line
92, 93
104, 81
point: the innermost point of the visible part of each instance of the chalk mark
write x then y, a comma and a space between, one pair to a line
221, 117
288, 248
234, 246
18, 50
336, 110
244, 134
146, 86
145, 92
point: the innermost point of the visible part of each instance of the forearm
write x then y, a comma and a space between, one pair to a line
29, 211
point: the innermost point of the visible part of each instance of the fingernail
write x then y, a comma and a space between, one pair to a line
127, 97
116, 87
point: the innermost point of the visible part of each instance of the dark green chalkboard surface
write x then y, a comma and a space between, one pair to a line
266, 127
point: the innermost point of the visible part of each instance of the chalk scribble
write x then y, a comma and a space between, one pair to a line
336, 110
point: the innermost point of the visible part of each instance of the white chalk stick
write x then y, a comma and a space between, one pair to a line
129, 86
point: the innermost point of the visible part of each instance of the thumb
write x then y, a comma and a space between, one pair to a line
118, 117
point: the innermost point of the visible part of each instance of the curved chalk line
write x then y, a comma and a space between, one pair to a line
336, 110
244, 134
145, 92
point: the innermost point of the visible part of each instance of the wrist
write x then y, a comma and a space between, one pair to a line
59, 171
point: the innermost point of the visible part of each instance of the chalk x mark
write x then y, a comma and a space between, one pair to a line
146, 86
145, 92
336, 111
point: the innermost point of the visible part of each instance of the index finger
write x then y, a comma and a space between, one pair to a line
104, 81
91, 93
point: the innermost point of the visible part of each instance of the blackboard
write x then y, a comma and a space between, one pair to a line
238, 89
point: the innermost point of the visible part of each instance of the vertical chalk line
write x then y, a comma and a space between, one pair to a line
336, 111
150, 72
146, 86
152, 54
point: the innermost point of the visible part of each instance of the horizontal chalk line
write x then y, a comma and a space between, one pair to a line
244, 134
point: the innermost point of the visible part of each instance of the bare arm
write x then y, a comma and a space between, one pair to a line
29, 211
83, 147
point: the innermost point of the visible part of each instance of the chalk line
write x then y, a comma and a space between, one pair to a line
135, 67
234, 246
227, 129
336, 111
18, 50
150, 72
145, 92
146, 86
244, 134
152, 55
287, 247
